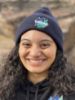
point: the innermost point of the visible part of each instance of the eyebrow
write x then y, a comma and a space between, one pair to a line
46, 40
25, 39
43, 40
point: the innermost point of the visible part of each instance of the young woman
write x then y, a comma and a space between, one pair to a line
36, 68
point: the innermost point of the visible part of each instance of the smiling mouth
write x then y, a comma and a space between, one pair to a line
36, 61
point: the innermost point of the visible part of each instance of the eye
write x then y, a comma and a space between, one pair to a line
45, 45
26, 45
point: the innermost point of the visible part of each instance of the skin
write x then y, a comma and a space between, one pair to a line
37, 52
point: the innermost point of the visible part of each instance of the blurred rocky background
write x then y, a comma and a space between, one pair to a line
12, 12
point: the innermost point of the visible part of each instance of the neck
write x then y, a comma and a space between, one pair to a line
37, 77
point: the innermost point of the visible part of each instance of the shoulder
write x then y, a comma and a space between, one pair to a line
70, 96
70, 70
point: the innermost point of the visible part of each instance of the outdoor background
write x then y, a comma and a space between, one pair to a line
12, 12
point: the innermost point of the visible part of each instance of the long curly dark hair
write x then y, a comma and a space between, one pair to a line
60, 77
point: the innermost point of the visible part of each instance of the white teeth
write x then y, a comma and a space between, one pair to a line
38, 61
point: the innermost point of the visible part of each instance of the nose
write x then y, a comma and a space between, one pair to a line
35, 51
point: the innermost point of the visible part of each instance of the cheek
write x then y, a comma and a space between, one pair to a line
50, 53
21, 52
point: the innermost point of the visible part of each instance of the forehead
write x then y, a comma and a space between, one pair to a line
34, 34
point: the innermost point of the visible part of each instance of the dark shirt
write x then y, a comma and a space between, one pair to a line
40, 91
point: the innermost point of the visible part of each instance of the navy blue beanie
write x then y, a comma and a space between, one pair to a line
42, 20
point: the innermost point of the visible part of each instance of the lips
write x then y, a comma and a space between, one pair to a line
35, 61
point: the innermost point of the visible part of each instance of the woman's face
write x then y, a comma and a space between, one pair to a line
37, 51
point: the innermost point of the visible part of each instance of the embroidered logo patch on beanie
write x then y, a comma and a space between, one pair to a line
41, 22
